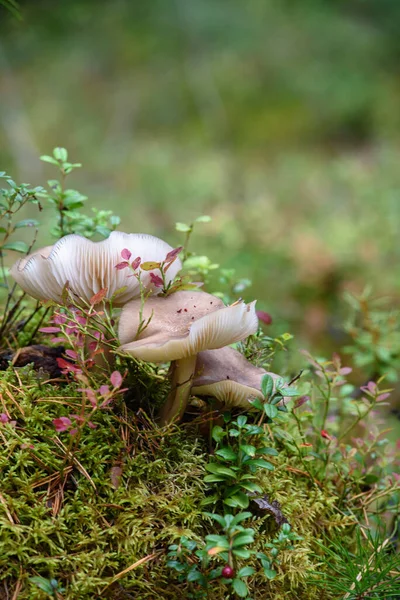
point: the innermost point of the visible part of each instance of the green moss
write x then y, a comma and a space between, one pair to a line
84, 525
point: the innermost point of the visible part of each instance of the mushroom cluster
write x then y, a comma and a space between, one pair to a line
89, 267
180, 328
192, 330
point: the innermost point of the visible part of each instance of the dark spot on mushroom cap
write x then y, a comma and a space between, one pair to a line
210, 302
192, 318
179, 311
227, 376
185, 309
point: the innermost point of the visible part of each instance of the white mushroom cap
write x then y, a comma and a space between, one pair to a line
183, 324
90, 267
228, 376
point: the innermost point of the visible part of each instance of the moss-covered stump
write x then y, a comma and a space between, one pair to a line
124, 493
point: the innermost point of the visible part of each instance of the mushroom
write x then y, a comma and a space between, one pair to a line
89, 267
228, 376
178, 327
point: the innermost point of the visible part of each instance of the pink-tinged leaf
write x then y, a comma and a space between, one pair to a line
300, 401
156, 280
122, 265
92, 425
77, 418
49, 329
116, 379
173, 254
73, 431
4, 418
382, 397
71, 354
59, 319
150, 265
71, 330
115, 476
264, 317
62, 423
126, 254
98, 335
81, 320
91, 396
92, 346
371, 385
310, 359
345, 371
104, 390
67, 367
135, 264
58, 340
99, 297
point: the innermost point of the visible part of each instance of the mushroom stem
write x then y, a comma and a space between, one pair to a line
181, 382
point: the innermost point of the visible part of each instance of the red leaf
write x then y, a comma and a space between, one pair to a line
126, 254
49, 329
156, 280
59, 319
104, 390
122, 265
264, 317
116, 379
71, 354
99, 297
67, 366
173, 254
62, 423
135, 264
92, 425
326, 435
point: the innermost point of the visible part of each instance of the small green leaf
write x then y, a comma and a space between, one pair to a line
203, 219
43, 584
242, 552
17, 247
218, 433
267, 385
247, 449
49, 159
27, 223
182, 227
217, 469
268, 451
270, 573
246, 572
60, 154
239, 499
263, 464
213, 478
250, 486
241, 421
270, 410
226, 453
240, 588
243, 539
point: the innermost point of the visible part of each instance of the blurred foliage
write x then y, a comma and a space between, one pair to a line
279, 120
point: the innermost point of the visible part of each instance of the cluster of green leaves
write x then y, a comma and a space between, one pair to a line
68, 202
374, 328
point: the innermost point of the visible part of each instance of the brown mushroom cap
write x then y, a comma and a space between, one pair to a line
89, 267
183, 324
228, 376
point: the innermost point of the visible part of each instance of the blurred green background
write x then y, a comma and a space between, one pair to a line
280, 119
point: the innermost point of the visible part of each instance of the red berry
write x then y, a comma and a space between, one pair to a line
228, 572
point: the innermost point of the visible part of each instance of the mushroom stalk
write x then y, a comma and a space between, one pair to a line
181, 382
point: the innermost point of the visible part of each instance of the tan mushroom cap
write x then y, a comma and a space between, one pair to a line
183, 324
228, 376
90, 267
